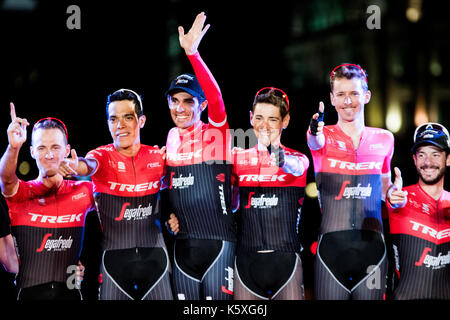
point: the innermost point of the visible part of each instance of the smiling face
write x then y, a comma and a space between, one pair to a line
348, 97
430, 163
185, 109
48, 148
267, 123
124, 124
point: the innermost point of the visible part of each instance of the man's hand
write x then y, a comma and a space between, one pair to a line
190, 41
173, 223
395, 195
316, 124
17, 129
69, 166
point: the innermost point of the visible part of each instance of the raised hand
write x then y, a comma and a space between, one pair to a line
190, 41
17, 129
395, 195
316, 124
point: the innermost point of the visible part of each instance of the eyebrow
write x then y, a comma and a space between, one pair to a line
125, 115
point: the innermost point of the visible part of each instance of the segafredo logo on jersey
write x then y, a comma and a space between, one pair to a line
261, 202
67, 218
437, 262
115, 186
262, 177
428, 231
334, 163
138, 213
358, 192
59, 244
181, 182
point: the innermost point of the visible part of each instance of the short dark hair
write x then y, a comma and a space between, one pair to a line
51, 123
126, 94
272, 97
349, 71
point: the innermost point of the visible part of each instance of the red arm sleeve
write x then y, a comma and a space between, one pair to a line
216, 108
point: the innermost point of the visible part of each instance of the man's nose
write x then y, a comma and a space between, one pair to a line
180, 107
348, 100
49, 155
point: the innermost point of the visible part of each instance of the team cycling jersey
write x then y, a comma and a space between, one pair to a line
126, 190
349, 180
421, 242
270, 200
199, 169
48, 227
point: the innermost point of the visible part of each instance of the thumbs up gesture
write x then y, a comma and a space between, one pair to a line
316, 124
396, 197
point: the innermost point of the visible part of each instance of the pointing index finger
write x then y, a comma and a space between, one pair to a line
13, 111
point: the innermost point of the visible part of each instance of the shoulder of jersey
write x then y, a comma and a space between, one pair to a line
379, 131
292, 152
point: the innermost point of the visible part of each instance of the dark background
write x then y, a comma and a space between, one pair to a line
48, 70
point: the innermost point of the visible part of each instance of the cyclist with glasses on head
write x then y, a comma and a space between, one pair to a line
127, 177
352, 171
419, 217
47, 214
271, 179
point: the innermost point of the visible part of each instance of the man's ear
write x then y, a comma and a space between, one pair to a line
251, 118
67, 151
448, 160
32, 152
142, 120
332, 98
203, 105
367, 96
286, 120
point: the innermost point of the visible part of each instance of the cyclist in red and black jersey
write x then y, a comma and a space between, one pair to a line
352, 172
271, 179
127, 177
198, 174
47, 214
8, 257
419, 218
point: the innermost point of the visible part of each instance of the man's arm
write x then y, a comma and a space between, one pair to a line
190, 42
17, 135
8, 257
77, 166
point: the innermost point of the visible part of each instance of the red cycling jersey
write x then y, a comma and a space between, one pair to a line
48, 227
421, 240
270, 200
199, 168
126, 191
349, 180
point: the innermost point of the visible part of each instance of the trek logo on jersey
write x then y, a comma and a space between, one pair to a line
434, 262
121, 166
262, 177
229, 279
68, 218
181, 182
261, 202
138, 213
426, 230
115, 186
334, 163
358, 192
59, 244
222, 200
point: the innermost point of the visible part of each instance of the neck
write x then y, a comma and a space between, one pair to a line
352, 128
130, 151
51, 182
433, 190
